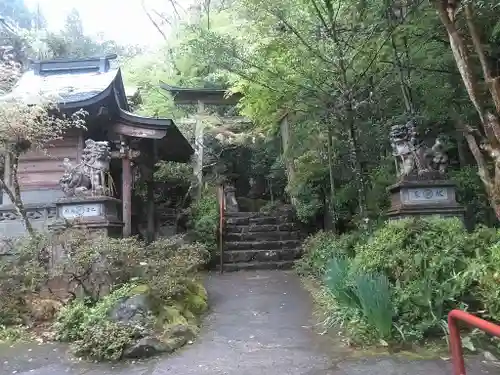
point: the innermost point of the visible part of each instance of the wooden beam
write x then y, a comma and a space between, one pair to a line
127, 192
139, 132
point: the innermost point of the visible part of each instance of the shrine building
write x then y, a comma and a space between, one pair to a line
136, 144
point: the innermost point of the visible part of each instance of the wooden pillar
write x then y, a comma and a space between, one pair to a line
198, 162
126, 189
151, 230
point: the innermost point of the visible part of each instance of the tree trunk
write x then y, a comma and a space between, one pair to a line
484, 143
358, 172
331, 199
286, 139
15, 196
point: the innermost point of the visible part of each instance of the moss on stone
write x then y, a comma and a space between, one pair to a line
195, 303
198, 289
139, 289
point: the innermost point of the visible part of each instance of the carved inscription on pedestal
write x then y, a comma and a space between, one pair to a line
81, 210
427, 195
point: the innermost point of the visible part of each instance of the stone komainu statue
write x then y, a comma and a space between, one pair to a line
88, 177
413, 158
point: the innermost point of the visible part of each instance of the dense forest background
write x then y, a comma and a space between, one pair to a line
342, 73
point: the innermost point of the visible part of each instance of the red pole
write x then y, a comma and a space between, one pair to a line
222, 209
457, 355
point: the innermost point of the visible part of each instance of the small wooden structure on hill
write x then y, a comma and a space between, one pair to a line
89, 175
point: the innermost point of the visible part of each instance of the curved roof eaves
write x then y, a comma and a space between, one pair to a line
70, 89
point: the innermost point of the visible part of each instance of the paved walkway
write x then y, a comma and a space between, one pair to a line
260, 324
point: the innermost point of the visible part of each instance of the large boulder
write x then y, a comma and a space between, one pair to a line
137, 310
145, 347
151, 346
132, 310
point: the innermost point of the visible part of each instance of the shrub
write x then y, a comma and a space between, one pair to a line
471, 194
425, 261
169, 265
485, 270
373, 293
360, 298
89, 267
90, 331
204, 219
96, 264
165, 270
322, 247
91, 264
401, 281
23, 273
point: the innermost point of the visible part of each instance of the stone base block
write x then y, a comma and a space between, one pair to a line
99, 214
424, 198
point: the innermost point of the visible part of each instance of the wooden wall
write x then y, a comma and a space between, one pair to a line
40, 170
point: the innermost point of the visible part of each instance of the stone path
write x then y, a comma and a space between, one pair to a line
260, 324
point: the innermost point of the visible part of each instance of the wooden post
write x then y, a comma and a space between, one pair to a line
198, 163
126, 190
151, 230
148, 169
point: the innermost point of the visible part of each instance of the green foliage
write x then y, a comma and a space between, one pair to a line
425, 262
91, 265
414, 271
204, 220
165, 271
471, 194
377, 196
92, 262
484, 269
71, 320
22, 275
10, 334
322, 247
360, 297
338, 281
91, 332
373, 292
169, 266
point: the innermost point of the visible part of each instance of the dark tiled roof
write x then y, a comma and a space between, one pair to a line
63, 88
65, 81
75, 84
183, 95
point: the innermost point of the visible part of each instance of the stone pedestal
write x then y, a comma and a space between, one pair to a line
100, 214
424, 198
231, 202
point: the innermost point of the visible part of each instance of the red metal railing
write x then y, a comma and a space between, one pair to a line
457, 355
222, 209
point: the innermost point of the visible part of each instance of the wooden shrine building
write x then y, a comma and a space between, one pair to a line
136, 143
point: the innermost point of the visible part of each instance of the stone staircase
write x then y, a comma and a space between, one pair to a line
253, 240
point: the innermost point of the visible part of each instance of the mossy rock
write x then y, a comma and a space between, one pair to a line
174, 331
139, 289
198, 289
190, 317
195, 303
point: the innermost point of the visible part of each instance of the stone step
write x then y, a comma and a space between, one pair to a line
232, 267
262, 236
241, 228
259, 220
243, 214
261, 245
247, 256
